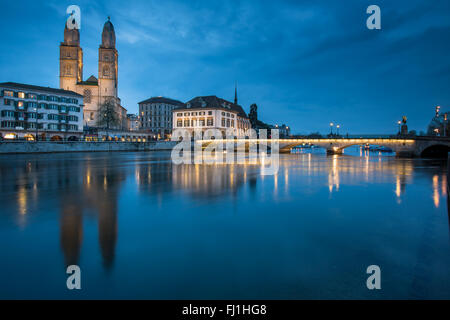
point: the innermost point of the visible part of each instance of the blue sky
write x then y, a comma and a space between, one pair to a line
304, 63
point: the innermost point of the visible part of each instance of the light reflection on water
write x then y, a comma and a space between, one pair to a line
140, 227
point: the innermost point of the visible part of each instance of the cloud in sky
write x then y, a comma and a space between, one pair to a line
305, 63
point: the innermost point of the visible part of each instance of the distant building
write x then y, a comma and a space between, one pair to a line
94, 90
156, 115
439, 125
134, 123
211, 112
52, 114
284, 131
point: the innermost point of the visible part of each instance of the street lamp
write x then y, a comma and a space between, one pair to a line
331, 128
399, 122
445, 124
337, 129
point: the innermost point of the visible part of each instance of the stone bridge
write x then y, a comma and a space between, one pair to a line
403, 147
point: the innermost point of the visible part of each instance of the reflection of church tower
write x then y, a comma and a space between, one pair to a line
107, 62
71, 233
70, 60
107, 230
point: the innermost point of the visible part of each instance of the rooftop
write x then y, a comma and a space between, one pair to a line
91, 81
14, 85
214, 102
163, 100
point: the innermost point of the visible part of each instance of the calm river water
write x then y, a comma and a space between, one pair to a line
140, 227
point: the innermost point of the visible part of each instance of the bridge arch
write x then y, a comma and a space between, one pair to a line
435, 151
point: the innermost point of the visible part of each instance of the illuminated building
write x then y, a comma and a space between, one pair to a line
28, 110
156, 115
211, 112
94, 90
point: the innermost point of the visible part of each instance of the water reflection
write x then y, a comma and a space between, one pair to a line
83, 186
78, 188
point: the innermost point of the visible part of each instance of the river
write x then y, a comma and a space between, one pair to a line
141, 227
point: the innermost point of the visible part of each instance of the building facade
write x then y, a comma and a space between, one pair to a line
27, 111
211, 112
156, 115
134, 124
94, 90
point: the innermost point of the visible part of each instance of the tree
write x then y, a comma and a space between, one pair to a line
253, 115
107, 115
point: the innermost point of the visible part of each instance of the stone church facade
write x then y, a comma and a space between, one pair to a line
94, 90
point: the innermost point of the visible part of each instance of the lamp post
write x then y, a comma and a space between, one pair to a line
331, 128
445, 124
399, 124
337, 129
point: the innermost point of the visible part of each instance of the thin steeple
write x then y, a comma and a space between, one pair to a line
235, 94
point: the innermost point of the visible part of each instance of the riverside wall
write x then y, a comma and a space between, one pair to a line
78, 146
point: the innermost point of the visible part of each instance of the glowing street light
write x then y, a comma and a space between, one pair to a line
399, 122
337, 127
331, 127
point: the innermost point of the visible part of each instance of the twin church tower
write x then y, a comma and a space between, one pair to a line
94, 90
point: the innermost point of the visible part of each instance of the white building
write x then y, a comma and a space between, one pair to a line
211, 112
52, 114
156, 115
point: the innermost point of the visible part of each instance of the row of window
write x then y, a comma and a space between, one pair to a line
61, 117
156, 113
202, 113
194, 113
33, 96
165, 119
32, 125
51, 116
25, 104
196, 123
155, 107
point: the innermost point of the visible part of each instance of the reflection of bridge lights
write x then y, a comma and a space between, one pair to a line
22, 201
333, 177
398, 190
436, 190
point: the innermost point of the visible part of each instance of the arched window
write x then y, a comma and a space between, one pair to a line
67, 70
106, 71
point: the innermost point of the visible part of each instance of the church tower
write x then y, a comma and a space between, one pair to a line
70, 60
107, 63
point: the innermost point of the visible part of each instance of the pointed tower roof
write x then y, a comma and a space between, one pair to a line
108, 35
235, 94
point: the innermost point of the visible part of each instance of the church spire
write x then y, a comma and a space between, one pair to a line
235, 94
